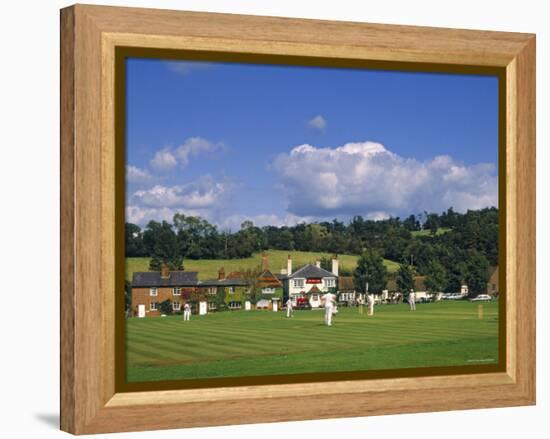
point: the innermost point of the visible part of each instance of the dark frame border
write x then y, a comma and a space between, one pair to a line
122, 53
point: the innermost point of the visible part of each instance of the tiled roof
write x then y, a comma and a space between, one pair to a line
266, 279
345, 283
314, 290
223, 283
309, 271
176, 279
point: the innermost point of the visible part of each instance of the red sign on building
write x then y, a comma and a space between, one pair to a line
314, 280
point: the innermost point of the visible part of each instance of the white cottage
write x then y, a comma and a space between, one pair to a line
311, 281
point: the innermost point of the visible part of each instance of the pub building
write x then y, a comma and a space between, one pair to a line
311, 282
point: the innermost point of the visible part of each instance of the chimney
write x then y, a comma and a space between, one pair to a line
335, 265
265, 263
221, 273
165, 272
318, 264
289, 266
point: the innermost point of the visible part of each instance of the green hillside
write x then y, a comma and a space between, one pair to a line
428, 232
208, 268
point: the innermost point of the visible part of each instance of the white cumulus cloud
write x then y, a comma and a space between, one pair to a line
318, 123
365, 178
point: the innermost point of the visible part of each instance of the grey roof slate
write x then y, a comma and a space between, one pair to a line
176, 279
309, 271
223, 283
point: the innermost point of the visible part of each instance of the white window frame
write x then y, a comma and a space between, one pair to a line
212, 290
231, 290
153, 306
299, 283
268, 290
176, 291
212, 305
176, 305
330, 282
153, 291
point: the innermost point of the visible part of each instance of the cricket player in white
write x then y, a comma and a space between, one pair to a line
186, 312
412, 300
289, 309
330, 302
371, 304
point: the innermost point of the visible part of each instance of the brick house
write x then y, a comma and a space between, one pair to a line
151, 288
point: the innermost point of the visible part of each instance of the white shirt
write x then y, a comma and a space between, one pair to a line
329, 300
289, 303
412, 297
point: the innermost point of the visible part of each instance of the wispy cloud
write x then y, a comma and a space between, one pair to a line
187, 67
137, 175
168, 158
318, 123
163, 160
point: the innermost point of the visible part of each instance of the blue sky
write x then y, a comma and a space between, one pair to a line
284, 144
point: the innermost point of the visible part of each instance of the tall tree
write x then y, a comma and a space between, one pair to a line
405, 278
370, 269
436, 279
477, 273
166, 249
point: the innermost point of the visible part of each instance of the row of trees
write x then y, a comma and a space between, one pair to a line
195, 238
371, 273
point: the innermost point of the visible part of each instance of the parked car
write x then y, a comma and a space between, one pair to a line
481, 298
456, 296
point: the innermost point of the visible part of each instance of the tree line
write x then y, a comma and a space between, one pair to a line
466, 249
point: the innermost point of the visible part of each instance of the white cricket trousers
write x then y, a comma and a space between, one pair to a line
413, 305
328, 315
186, 315
288, 311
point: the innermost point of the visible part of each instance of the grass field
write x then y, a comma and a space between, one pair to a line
242, 343
208, 268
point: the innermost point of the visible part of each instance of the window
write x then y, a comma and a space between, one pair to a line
268, 291
153, 291
234, 305
212, 290
176, 306
231, 290
212, 306
176, 291
299, 283
153, 306
331, 282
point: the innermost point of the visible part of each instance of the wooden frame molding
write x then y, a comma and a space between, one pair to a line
89, 38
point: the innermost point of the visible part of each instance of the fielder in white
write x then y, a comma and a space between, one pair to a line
370, 299
412, 300
329, 300
186, 312
289, 309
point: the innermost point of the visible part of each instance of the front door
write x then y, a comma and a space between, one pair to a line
141, 311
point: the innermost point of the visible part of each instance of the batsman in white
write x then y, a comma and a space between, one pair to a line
329, 300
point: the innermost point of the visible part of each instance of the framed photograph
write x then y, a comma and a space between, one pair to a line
292, 219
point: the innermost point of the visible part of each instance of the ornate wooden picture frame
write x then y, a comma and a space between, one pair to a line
93, 40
